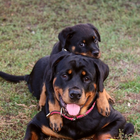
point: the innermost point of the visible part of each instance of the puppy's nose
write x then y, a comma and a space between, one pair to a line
75, 94
95, 53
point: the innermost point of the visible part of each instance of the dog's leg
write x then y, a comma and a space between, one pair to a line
103, 104
102, 137
32, 132
56, 121
109, 98
37, 131
111, 130
42, 99
49, 132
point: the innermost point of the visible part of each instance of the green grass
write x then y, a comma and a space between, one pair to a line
28, 31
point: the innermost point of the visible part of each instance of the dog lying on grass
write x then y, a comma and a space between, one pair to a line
79, 39
73, 83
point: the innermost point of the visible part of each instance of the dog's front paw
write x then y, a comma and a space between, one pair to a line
109, 98
42, 102
56, 122
103, 106
40, 105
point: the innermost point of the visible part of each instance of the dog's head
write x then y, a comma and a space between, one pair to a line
76, 80
81, 39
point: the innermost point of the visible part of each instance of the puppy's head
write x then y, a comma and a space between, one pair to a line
76, 80
81, 39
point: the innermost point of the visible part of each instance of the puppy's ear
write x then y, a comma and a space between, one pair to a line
96, 31
102, 73
64, 35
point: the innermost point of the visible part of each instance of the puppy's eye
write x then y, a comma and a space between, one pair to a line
64, 76
82, 44
95, 41
86, 79
70, 35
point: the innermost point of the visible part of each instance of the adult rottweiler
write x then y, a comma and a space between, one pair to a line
79, 39
73, 83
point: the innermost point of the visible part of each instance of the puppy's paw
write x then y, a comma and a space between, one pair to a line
42, 103
109, 98
39, 108
56, 122
111, 101
103, 106
42, 100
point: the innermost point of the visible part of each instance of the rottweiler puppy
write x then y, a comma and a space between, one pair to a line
73, 83
79, 39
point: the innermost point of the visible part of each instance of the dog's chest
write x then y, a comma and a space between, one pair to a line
79, 128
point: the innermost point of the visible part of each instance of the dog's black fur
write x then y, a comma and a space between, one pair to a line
80, 39
74, 79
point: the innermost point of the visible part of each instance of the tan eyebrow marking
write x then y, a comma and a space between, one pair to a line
73, 48
70, 71
84, 41
93, 37
83, 73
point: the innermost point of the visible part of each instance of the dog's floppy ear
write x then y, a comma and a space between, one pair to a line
102, 73
50, 72
64, 35
96, 31
53, 61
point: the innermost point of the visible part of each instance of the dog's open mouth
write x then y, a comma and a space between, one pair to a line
71, 109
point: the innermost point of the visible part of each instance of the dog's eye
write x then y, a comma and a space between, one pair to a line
64, 76
86, 79
70, 35
82, 44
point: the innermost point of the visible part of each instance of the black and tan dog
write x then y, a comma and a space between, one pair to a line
73, 83
79, 39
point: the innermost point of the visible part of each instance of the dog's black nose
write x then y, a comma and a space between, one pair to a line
75, 94
95, 53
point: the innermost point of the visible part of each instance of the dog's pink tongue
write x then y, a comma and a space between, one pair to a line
73, 109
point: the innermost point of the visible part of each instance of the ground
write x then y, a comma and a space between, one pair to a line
28, 31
